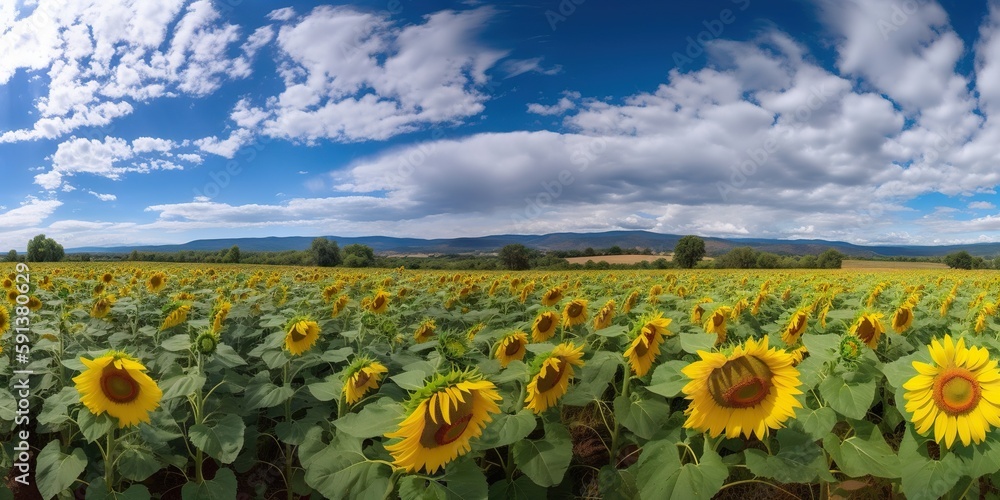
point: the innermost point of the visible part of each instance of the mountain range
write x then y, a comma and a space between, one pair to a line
657, 242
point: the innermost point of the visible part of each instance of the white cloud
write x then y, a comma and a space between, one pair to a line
110, 158
31, 213
981, 205
228, 147
563, 105
104, 197
150, 144
517, 67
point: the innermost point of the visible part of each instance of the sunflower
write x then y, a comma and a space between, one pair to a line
424, 331
645, 348
957, 394
117, 383
221, 313
178, 314
339, 305
747, 392
511, 347
552, 296
102, 306
716, 323
157, 282
474, 330
107, 278
796, 326
697, 311
798, 354
330, 292
302, 335
575, 313
4, 319
379, 303
868, 328
362, 376
630, 301
443, 417
902, 318
207, 342
545, 325
551, 378
604, 316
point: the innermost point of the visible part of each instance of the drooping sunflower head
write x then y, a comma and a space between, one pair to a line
302, 335
957, 394
544, 326
380, 302
4, 319
747, 392
220, 314
868, 328
698, 310
116, 383
716, 323
605, 315
902, 318
551, 376
424, 331
647, 335
552, 296
798, 354
511, 347
796, 327
575, 313
474, 330
442, 419
102, 306
175, 314
362, 376
630, 301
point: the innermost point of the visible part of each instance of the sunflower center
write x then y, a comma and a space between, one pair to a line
718, 319
361, 379
379, 302
866, 331
443, 433
800, 322
574, 310
512, 348
552, 376
956, 391
901, 317
118, 385
740, 383
544, 323
298, 333
641, 348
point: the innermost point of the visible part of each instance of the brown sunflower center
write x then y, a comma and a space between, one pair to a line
800, 323
361, 379
740, 383
575, 309
544, 323
442, 433
866, 330
513, 347
552, 376
378, 302
718, 319
901, 317
956, 391
299, 333
118, 386
155, 281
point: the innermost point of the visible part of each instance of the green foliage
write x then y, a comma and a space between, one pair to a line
42, 249
688, 251
959, 260
325, 253
515, 257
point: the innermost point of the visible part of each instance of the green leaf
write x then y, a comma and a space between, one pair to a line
850, 399
901, 370
55, 409
519, 489
418, 488
223, 485
822, 347
261, 393
817, 423
612, 331
865, 453
694, 342
98, 490
643, 417
615, 484
411, 380
799, 460
222, 441
593, 379
661, 475
373, 420
982, 459
545, 460
182, 385
516, 370
57, 471
341, 470
667, 379
924, 478
7, 406
506, 429
227, 356
176, 343
137, 464
465, 480
94, 427
330, 389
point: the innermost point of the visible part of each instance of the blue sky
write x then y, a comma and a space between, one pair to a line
168, 121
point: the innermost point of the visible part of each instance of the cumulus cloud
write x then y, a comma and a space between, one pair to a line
103, 197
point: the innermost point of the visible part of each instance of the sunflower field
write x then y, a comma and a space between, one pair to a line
209, 382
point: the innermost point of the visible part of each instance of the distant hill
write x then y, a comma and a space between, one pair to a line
558, 241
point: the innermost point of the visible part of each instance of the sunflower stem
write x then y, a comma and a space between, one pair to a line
109, 460
288, 447
626, 379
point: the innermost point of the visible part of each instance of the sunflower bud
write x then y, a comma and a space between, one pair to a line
850, 349
206, 343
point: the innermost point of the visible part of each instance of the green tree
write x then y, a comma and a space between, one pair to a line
358, 255
134, 256
232, 256
767, 260
42, 249
325, 253
689, 251
12, 256
959, 260
830, 259
515, 257
615, 250
738, 258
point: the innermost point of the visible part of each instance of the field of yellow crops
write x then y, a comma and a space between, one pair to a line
191, 381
